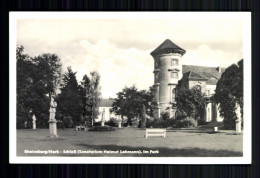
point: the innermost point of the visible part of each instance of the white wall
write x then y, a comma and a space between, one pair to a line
211, 88
107, 114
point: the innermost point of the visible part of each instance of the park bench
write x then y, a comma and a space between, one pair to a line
81, 127
155, 132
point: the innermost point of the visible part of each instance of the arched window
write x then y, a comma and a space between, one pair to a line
197, 87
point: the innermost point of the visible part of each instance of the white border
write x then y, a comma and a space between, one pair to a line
247, 136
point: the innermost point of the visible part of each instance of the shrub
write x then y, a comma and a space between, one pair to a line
98, 123
67, 121
149, 123
102, 128
112, 122
185, 123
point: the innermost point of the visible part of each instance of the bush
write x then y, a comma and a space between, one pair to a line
185, 123
102, 128
149, 123
97, 123
112, 122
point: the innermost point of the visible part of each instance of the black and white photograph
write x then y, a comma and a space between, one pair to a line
130, 87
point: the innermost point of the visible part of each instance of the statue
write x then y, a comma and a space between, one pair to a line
119, 121
34, 122
52, 120
53, 106
239, 120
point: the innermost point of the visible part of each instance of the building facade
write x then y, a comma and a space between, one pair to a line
170, 73
105, 110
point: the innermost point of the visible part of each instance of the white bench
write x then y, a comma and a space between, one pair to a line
155, 132
80, 128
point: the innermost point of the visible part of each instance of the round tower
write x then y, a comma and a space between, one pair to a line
167, 73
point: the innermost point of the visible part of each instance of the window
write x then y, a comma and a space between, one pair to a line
173, 94
197, 87
156, 77
208, 114
156, 63
208, 92
174, 62
174, 75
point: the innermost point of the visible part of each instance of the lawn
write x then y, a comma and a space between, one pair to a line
130, 142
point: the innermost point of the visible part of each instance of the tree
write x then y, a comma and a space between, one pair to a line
187, 101
130, 103
229, 93
69, 101
31, 98
94, 97
85, 89
49, 66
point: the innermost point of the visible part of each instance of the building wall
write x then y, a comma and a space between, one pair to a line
107, 113
210, 89
167, 73
200, 83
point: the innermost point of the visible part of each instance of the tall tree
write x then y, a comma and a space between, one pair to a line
69, 101
85, 98
94, 97
24, 82
131, 103
31, 90
229, 93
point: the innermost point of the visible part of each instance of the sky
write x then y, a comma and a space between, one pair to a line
119, 48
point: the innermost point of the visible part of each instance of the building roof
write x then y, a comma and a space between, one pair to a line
106, 102
167, 47
192, 76
210, 73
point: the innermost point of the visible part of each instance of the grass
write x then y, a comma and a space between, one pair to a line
178, 143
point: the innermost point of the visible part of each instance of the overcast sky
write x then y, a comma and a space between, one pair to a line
119, 49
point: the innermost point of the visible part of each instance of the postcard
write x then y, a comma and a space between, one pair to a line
130, 87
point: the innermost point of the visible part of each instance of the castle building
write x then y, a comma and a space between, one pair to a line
169, 73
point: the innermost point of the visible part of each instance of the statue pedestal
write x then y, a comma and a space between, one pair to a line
53, 129
102, 123
119, 124
34, 126
238, 125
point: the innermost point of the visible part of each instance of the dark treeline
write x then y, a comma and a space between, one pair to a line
39, 78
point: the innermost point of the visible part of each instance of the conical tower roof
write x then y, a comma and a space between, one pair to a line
168, 47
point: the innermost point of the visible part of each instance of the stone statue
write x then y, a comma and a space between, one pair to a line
52, 120
34, 122
239, 120
53, 106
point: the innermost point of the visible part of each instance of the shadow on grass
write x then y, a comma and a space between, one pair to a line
162, 151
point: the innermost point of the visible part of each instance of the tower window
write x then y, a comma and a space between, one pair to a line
174, 75
208, 92
173, 94
208, 114
174, 62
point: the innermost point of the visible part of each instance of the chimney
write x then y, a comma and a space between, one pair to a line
219, 69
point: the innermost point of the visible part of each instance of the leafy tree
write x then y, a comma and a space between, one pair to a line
229, 92
187, 101
49, 66
94, 97
69, 101
131, 103
31, 98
